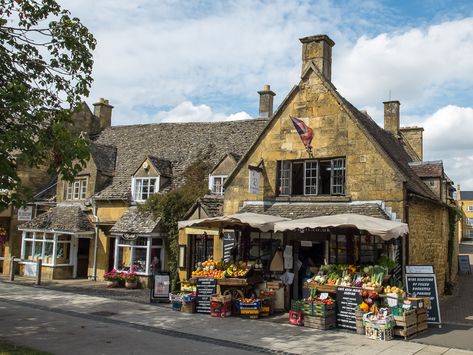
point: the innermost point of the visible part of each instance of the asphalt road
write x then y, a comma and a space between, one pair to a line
61, 333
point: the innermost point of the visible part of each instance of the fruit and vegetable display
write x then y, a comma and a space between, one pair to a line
219, 269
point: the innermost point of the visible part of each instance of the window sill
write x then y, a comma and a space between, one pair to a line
324, 198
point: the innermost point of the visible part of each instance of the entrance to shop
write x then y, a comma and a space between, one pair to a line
111, 254
311, 256
83, 257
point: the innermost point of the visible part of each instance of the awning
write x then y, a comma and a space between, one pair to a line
262, 222
382, 228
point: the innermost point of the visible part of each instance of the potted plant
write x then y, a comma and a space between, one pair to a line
131, 279
113, 278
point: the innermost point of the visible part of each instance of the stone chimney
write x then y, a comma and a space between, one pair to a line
103, 110
414, 136
391, 117
318, 49
266, 102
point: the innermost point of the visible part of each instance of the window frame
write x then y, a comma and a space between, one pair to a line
212, 179
157, 181
131, 244
469, 222
76, 190
39, 238
469, 208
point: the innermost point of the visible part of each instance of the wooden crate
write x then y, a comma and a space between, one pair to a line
406, 332
422, 318
408, 319
320, 323
188, 307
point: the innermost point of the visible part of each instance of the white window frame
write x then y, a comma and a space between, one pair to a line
149, 246
469, 222
76, 190
285, 174
342, 168
134, 182
316, 177
212, 185
469, 208
40, 237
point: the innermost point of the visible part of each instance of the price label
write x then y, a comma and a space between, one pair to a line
323, 296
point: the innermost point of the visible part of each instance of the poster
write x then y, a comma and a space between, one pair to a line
161, 287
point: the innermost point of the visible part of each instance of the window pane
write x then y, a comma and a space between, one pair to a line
29, 250
138, 185
141, 241
124, 258
139, 259
62, 253
152, 186
76, 190
83, 189
338, 176
38, 249
285, 183
311, 178
156, 241
48, 249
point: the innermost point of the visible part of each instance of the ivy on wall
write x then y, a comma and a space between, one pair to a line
172, 206
454, 215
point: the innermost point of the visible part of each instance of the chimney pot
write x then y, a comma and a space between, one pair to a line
318, 50
266, 102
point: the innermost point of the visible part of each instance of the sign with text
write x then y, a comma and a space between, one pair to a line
228, 245
160, 287
25, 213
419, 269
254, 181
464, 266
425, 285
347, 300
205, 289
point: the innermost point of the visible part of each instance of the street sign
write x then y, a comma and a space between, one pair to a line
464, 266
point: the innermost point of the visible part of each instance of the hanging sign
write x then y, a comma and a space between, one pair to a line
254, 181
425, 285
25, 213
348, 298
228, 245
205, 288
464, 266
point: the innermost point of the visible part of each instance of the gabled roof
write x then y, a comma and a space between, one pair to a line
104, 157
306, 210
163, 166
68, 219
428, 168
135, 222
211, 204
386, 143
233, 156
466, 195
179, 143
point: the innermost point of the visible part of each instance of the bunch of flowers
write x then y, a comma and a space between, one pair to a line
130, 277
113, 275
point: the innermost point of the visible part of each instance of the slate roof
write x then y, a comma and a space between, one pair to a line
104, 157
306, 210
162, 165
179, 143
69, 219
466, 195
428, 168
211, 204
134, 221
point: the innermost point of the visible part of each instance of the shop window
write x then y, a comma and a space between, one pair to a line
76, 190
142, 188
138, 254
216, 184
469, 233
203, 248
469, 221
470, 208
311, 177
41, 245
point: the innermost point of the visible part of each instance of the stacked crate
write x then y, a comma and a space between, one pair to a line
250, 310
319, 315
406, 324
421, 319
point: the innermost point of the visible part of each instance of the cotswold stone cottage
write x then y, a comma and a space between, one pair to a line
319, 155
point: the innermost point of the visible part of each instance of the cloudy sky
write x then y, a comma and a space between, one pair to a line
168, 61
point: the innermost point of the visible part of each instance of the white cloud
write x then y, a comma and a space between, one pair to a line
187, 112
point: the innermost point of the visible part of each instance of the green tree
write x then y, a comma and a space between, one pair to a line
45, 70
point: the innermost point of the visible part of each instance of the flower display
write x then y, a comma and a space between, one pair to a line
113, 275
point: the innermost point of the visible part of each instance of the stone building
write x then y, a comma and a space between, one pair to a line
465, 202
320, 155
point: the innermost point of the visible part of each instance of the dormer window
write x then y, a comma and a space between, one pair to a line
216, 184
144, 187
76, 190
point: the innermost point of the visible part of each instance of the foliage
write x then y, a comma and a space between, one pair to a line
387, 262
173, 205
454, 215
113, 275
130, 276
45, 69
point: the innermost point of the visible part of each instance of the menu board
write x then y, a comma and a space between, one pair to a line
205, 288
160, 287
228, 244
347, 300
425, 285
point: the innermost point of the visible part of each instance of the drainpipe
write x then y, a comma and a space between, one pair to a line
96, 238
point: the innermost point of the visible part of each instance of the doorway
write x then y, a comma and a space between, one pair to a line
83, 258
111, 253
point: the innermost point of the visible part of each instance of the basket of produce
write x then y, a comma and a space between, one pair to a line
209, 268
240, 269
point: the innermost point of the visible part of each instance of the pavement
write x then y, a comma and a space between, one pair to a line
55, 309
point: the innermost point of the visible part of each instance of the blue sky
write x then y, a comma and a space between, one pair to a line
161, 61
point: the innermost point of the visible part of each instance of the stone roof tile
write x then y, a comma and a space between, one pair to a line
135, 222
69, 219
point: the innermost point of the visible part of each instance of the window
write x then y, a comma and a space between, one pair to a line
469, 233
469, 221
42, 245
311, 177
216, 184
76, 190
469, 208
138, 254
142, 188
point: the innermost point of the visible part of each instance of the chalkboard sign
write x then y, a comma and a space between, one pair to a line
347, 300
425, 285
205, 288
464, 266
228, 244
